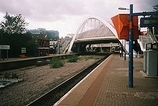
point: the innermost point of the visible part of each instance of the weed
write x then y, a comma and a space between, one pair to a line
56, 62
73, 58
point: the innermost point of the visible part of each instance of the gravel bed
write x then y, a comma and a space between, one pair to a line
37, 81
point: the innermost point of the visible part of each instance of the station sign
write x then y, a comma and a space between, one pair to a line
23, 50
149, 22
4, 47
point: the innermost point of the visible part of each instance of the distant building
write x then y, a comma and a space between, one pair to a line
53, 47
42, 44
70, 35
52, 35
34, 31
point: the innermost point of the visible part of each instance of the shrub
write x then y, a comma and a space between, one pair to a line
56, 62
73, 58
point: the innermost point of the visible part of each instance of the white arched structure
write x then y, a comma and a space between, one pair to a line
105, 23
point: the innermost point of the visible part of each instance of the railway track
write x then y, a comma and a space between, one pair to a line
51, 97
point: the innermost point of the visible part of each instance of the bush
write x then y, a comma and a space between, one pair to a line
73, 58
56, 62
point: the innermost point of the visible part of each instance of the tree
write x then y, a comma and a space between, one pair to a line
13, 24
156, 10
13, 33
155, 7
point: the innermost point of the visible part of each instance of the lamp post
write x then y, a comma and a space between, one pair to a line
130, 67
131, 47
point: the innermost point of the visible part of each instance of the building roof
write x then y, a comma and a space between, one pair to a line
41, 36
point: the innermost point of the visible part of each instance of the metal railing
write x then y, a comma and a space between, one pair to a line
145, 39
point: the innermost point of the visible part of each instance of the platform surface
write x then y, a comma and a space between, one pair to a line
107, 85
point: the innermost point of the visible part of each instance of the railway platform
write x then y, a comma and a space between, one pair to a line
107, 85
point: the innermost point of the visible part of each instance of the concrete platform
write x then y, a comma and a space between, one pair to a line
107, 85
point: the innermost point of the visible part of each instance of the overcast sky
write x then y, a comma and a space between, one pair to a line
66, 15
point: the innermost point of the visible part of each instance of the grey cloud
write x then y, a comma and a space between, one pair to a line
52, 10
144, 5
43, 9
13, 7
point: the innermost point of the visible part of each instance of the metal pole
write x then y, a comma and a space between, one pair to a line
131, 47
0, 54
124, 50
7, 54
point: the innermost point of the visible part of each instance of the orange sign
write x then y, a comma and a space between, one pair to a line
122, 25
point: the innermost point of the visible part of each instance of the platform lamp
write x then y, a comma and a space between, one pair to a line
130, 70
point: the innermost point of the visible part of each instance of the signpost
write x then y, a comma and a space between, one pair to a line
4, 47
23, 50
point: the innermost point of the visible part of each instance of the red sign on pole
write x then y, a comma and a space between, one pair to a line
121, 24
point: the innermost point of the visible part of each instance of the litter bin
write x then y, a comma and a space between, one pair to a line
152, 63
